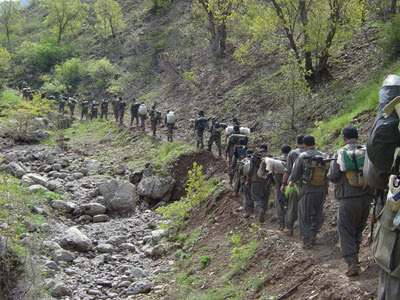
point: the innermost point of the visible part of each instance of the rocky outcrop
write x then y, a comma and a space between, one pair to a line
156, 188
119, 196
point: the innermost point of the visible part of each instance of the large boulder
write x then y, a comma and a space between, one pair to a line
156, 188
119, 196
75, 240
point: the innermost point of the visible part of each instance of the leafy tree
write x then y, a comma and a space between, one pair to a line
64, 15
110, 18
101, 73
290, 85
390, 37
33, 59
218, 12
9, 16
70, 73
4, 65
160, 5
314, 30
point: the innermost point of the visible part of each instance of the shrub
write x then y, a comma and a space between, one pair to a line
390, 36
205, 260
160, 5
70, 73
23, 117
178, 211
40, 57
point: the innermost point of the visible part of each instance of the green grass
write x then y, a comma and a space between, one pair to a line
364, 99
192, 240
167, 152
227, 291
205, 260
8, 98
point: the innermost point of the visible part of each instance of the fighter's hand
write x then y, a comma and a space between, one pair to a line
283, 188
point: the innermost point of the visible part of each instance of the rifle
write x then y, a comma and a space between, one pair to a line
319, 159
380, 196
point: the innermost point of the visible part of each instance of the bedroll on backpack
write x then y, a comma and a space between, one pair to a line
142, 110
274, 165
385, 136
243, 130
171, 118
352, 162
262, 170
234, 138
315, 173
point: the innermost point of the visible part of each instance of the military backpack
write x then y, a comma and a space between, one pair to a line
315, 170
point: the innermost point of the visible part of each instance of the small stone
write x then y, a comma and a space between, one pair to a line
70, 272
94, 209
63, 255
137, 273
139, 287
77, 176
11, 156
105, 248
85, 219
128, 246
124, 284
57, 167
100, 218
60, 290
119, 170
30, 226
63, 206
75, 240
51, 265
36, 188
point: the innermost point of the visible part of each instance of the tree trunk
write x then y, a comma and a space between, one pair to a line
307, 53
217, 31
221, 39
287, 31
393, 7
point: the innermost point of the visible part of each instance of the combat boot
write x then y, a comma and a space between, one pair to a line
260, 216
353, 270
307, 246
288, 232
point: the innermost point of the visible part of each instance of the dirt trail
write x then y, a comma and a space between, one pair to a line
283, 268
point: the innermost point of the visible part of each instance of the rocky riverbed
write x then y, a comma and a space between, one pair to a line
100, 241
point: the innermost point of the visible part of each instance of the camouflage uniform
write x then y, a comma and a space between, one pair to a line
293, 201
311, 198
354, 207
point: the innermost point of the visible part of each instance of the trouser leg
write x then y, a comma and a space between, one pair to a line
280, 205
352, 219
260, 195
310, 215
210, 142
219, 146
248, 203
292, 210
389, 287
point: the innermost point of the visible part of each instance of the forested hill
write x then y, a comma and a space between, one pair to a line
279, 66
91, 208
